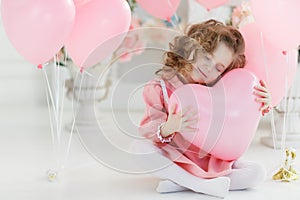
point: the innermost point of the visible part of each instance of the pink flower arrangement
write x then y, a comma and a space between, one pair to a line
157, 31
132, 43
241, 15
142, 32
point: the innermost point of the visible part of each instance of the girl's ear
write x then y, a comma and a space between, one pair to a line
192, 56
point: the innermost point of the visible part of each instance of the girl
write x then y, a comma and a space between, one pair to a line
202, 55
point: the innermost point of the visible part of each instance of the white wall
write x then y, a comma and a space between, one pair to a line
20, 81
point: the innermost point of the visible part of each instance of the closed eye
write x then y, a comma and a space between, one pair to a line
207, 58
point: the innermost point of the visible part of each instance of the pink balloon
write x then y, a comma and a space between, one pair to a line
276, 19
38, 28
210, 4
163, 9
79, 3
227, 112
100, 26
269, 63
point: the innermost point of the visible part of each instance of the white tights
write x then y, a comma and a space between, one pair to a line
245, 174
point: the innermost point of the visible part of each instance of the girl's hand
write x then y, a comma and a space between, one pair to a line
263, 96
179, 122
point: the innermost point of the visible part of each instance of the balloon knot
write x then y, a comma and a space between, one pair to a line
81, 69
40, 66
284, 52
169, 19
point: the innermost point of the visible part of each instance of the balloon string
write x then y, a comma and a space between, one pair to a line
287, 102
57, 96
49, 89
55, 146
55, 77
284, 118
53, 105
273, 129
62, 94
61, 86
57, 101
268, 78
59, 80
60, 77
52, 115
75, 114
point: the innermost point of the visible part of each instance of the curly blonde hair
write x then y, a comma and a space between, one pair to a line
207, 35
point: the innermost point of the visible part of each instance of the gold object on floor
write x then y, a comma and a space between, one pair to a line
287, 173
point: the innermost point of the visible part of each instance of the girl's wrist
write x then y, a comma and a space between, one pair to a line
164, 131
163, 138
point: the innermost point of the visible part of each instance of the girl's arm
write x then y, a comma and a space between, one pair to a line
157, 124
155, 111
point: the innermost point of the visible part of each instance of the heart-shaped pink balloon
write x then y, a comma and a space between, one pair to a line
228, 114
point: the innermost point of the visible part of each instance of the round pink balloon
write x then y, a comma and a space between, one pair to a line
38, 28
227, 112
100, 26
79, 3
212, 3
276, 19
269, 63
163, 9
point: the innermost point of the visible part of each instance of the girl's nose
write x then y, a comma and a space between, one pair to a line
208, 68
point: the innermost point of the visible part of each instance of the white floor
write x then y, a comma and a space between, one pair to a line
26, 154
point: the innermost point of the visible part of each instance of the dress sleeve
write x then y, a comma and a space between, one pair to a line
155, 111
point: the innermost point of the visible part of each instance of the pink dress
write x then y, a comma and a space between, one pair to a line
181, 152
